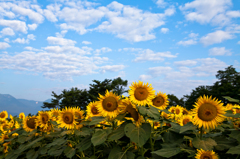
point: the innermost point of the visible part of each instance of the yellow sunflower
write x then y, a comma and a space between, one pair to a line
3, 136
78, 115
30, 123
128, 105
184, 119
141, 94
178, 111
208, 112
160, 101
135, 117
5, 145
165, 115
4, 126
67, 118
55, 113
92, 110
21, 115
185, 111
109, 105
43, 119
3, 115
172, 109
201, 154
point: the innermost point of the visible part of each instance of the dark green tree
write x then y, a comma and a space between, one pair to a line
174, 101
81, 98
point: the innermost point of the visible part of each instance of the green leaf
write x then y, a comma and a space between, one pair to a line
205, 144
31, 154
35, 141
167, 152
83, 132
96, 120
229, 113
116, 153
99, 137
43, 150
142, 110
59, 141
188, 126
139, 135
118, 133
70, 152
56, 150
11, 155
235, 134
172, 137
84, 144
231, 99
151, 111
224, 143
21, 139
234, 150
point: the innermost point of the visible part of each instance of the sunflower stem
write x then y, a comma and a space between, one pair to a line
142, 152
201, 132
151, 142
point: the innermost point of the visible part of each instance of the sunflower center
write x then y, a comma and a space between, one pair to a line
110, 104
207, 112
141, 93
94, 110
177, 111
68, 118
206, 156
31, 123
185, 121
134, 114
158, 101
44, 118
2, 115
156, 123
78, 117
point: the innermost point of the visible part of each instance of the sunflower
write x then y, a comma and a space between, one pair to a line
141, 94
55, 113
4, 126
135, 117
208, 112
201, 154
109, 105
160, 101
165, 115
128, 104
184, 119
3, 115
185, 111
178, 111
43, 119
3, 136
5, 145
78, 115
21, 115
172, 109
92, 110
67, 118
30, 123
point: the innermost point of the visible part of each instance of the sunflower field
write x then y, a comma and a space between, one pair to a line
116, 127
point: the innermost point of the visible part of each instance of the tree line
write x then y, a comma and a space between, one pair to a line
228, 84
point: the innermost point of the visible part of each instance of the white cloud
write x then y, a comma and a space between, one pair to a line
207, 11
23, 40
4, 45
158, 71
219, 51
233, 14
50, 15
32, 26
103, 49
16, 25
7, 31
112, 68
60, 41
6, 40
238, 42
86, 42
161, 3
215, 37
187, 42
31, 48
186, 63
145, 77
193, 35
31, 37
164, 30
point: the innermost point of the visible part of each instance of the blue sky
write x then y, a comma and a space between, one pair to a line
175, 45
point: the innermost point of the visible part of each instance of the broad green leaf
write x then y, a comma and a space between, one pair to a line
142, 110
235, 134
167, 152
59, 141
70, 152
11, 155
96, 120
56, 150
43, 150
172, 137
116, 153
35, 141
153, 112
139, 135
234, 150
188, 126
99, 137
224, 143
118, 133
84, 144
230, 114
83, 132
31, 154
231, 99
205, 144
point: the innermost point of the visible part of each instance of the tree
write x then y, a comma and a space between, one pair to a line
195, 94
81, 98
174, 101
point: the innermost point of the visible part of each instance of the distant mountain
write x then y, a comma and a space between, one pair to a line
15, 106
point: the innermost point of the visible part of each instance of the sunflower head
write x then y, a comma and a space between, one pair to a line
178, 111
30, 123
160, 101
141, 94
109, 105
92, 110
43, 119
184, 119
208, 112
55, 113
3, 115
128, 105
21, 115
79, 114
67, 118
201, 154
